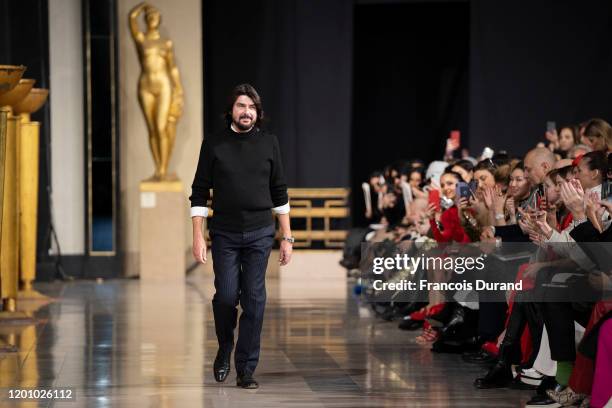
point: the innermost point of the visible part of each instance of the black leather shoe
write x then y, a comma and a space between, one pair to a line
543, 400
548, 383
390, 315
221, 366
499, 376
457, 319
246, 381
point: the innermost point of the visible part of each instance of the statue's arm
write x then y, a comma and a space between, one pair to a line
174, 71
137, 35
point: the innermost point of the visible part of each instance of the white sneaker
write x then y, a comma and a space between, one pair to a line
530, 376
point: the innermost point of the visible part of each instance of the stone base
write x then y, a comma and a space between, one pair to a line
162, 231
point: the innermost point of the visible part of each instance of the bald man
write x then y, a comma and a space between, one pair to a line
538, 162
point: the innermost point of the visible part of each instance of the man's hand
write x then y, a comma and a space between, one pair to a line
199, 248
286, 248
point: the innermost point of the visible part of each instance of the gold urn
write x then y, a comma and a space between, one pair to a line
13, 96
33, 101
10, 76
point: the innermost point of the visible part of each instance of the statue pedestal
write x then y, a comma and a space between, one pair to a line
162, 231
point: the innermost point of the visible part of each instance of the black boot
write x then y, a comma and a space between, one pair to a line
500, 375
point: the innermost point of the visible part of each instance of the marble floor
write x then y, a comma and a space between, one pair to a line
123, 343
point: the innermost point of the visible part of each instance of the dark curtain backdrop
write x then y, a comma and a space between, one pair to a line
24, 40
535, 61
297, 54
410, 84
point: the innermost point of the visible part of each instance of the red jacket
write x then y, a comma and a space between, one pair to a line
452, 229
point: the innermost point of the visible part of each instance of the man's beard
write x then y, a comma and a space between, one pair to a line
242, 127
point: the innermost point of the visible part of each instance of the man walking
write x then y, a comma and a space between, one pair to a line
242, 164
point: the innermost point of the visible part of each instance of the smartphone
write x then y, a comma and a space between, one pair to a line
434, 198
606, 190
463, 190
473, 185
487, 153
455, 137
551, 126
540, 196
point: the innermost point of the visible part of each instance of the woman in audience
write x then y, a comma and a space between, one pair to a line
563, 141
449, 218
484, 175
414, 178
591, 170
518, 193
464, 168
568, 138
598, 135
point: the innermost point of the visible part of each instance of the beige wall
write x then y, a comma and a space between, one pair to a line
181, 22
67, 138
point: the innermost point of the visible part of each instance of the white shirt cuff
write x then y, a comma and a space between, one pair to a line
283, 209
199, 212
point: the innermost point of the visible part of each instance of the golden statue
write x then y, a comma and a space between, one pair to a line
159, 88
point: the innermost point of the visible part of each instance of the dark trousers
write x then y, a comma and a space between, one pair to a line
559, 311
491, 319
239, 261
524, 313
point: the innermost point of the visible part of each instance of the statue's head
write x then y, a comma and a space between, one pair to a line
152, 18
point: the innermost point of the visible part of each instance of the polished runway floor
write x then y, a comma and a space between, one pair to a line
122, 343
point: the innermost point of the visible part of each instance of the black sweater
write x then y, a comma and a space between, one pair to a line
246, 174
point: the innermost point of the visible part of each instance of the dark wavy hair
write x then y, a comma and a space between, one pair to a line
597, 160
248, 90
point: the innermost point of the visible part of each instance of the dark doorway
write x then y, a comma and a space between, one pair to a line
410, 84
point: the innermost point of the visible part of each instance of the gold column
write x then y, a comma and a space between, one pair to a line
28, 165
9, 239
28, 201
3, 120
9, 78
